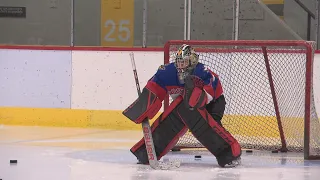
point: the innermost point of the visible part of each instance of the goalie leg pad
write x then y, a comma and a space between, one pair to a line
146, 106
228, 155
166, 131
210, 134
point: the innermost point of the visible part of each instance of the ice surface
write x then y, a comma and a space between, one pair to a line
92, 154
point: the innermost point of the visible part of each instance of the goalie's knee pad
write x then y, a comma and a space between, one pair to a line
211, 135
166, 131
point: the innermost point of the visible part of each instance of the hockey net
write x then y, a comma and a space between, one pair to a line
269, 93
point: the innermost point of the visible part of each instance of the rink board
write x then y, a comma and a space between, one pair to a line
89, 87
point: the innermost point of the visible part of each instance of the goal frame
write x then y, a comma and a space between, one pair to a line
264, 44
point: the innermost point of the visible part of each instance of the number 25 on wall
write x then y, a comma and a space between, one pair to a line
116, 33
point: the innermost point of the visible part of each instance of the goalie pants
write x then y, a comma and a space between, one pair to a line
216, 109
176, 120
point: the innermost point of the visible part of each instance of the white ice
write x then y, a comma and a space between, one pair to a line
81, 154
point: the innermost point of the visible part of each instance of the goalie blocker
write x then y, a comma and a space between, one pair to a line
147, 105
174, 123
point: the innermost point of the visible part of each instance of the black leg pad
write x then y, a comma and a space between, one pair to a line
166, 131
208, 132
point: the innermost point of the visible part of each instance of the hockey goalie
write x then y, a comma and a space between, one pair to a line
198, 106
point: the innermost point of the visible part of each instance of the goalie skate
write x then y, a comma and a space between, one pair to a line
234, 163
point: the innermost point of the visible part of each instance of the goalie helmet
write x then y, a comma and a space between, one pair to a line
186, 60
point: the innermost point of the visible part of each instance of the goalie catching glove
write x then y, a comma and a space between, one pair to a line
194, 96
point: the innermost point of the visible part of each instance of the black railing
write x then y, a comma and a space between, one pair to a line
310, 15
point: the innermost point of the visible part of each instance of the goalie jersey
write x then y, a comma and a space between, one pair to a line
166, 79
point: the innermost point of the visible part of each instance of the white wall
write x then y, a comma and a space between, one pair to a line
35, 78
104, 80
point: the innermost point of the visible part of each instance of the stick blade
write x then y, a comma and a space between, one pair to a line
166, 165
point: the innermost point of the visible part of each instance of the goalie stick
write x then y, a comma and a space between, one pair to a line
152, 157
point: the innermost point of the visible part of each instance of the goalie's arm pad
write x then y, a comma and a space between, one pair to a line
147, 105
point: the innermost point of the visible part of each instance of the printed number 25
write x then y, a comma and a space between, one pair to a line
121, 29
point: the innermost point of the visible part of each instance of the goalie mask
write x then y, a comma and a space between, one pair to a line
185, 61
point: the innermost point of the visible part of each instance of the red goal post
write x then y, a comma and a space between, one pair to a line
268, 86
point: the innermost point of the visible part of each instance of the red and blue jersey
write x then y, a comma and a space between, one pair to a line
166, 81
